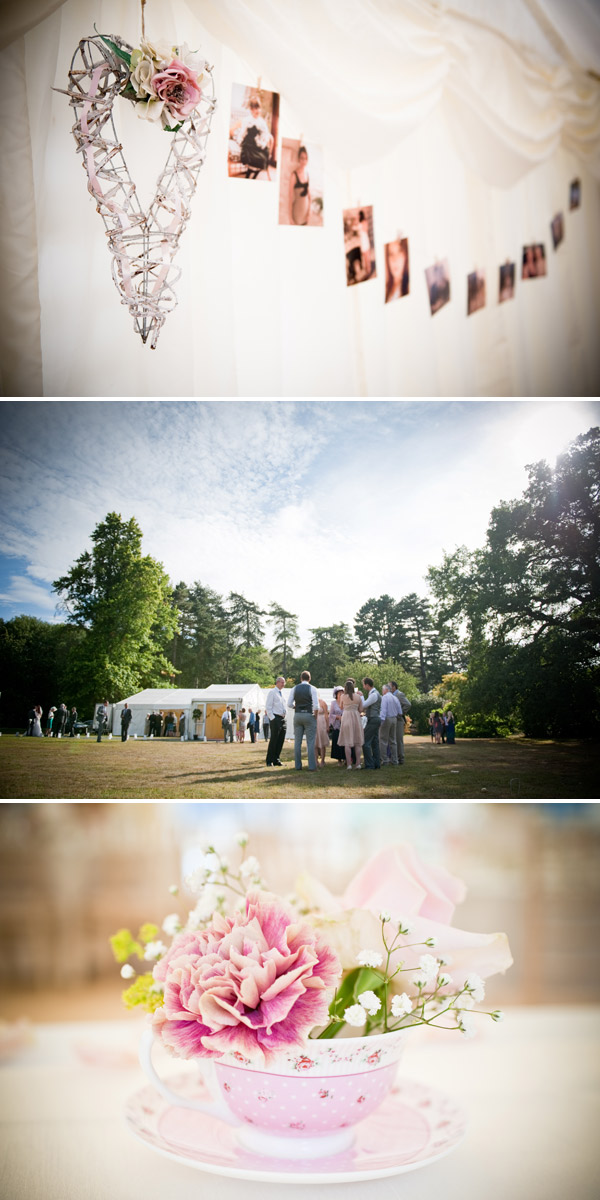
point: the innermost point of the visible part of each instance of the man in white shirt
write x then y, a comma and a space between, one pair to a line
275, 709
305, 702
372, 711
390, 708
405, 705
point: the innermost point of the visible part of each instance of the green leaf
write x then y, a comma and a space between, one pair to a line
172, 128
117, 50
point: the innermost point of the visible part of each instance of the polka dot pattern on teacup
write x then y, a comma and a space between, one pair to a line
303, 1105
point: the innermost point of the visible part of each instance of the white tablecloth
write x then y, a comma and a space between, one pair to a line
531, 1087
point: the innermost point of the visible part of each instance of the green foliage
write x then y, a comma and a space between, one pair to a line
420, 710
35, 667
381, 673
252, 666
124, 945
329, 654
120, 53
123, 601
361, 979
529, 602
482, 725
285, 631
140, 994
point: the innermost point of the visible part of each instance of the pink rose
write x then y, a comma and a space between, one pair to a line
255, 983
396, 881
177, 87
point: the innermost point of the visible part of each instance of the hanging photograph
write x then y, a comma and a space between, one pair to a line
396, 269
506, 289
438, 285
252, 151
534, 261
359, 245
301, 183
475, 291
575, 193
557, 226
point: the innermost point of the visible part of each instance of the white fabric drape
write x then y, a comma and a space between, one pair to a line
462, 139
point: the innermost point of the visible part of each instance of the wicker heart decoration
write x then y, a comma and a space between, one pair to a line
143, 244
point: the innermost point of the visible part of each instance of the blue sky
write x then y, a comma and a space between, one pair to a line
316, 504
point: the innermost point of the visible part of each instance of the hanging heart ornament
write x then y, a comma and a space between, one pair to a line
142, 243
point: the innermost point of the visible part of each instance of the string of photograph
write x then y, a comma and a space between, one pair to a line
252, 154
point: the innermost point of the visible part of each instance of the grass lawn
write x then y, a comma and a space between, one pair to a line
482, 769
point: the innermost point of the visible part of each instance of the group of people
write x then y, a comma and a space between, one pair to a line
158, 725
59, 721
358, 724
235, 724
442, 727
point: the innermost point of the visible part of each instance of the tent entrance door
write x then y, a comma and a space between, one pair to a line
214, 730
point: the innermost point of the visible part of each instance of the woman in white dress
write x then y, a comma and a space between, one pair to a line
36, 729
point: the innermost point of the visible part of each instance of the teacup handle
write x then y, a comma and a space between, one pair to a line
216, 1108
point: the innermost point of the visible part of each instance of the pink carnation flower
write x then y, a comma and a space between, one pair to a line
177, 87
255, 983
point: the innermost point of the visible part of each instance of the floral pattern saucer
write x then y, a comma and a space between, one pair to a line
414, 1126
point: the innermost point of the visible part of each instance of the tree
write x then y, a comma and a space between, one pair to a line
245, 616
379, 630
328, 654
35, 658
285, 632
416, 617
252, 666
530, 599
123, 601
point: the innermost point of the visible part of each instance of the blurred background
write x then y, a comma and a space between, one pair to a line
72, 874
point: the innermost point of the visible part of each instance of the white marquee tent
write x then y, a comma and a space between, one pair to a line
209, 701
462, 122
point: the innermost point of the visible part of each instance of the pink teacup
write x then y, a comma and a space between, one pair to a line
306, 1102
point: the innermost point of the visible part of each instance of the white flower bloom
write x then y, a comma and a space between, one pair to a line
249, 868
401, 1005
241, 838
431, 941
476, 986
127, 971
369, 958
370, 1001
211, 861
444, 979
466, 1024
497, 1015
204, 908
429, 966
174, 890
355, 1015
171, 924
240, 904
192, 59
154, 950
157, 987
385, 915
464, 1002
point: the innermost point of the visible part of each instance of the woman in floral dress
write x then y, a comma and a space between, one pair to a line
351, 730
